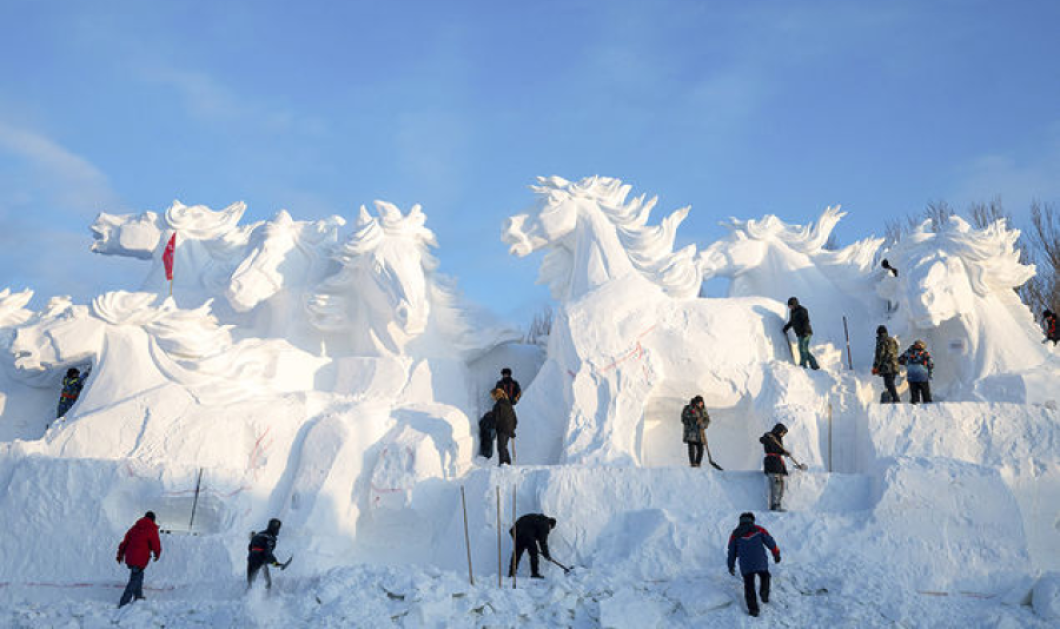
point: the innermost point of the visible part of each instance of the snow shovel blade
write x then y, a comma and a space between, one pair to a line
283, 566
715, 466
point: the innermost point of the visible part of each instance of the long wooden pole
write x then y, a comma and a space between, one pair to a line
467, 537
500, 560
515, 532
846, 331
195, 503
829, 437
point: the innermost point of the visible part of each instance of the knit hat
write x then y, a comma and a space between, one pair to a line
881, 331
150, 515
779, 429
747, 518
793, 301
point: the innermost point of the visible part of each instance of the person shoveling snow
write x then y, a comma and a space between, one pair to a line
774, 466
261, 555
695, 419
530, 532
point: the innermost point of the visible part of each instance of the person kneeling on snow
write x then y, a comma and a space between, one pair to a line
748, 542
695, 419
918, 371
262, 545
140, 542
529, 532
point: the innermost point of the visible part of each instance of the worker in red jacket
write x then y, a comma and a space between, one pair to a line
140, 541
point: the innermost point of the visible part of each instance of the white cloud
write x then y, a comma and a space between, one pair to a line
1017, 178
56, 174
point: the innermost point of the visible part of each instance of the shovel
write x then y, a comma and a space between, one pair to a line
566, 570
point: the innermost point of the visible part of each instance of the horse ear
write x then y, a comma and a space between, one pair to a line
363, 217
388, 211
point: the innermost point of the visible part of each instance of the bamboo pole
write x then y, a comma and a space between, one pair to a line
467, 537
515, 531
829, 437
500, 559
195, 503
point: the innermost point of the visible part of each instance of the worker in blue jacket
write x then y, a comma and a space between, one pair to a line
749, 542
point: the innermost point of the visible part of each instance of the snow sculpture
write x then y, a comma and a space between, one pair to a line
630, 332
386, 298
167, 344
208, 242
594, 235
955, 290
281, 263
269, 263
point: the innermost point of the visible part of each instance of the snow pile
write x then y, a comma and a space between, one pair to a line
327, 375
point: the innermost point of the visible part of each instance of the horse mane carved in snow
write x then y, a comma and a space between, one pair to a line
164, 342
387, 294
593, 235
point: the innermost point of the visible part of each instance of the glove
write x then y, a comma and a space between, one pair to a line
875, 371
732, 571
776, 558
119, 559
276, 564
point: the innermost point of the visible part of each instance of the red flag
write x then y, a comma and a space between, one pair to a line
167, 256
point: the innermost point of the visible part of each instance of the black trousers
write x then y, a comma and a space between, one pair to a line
254, 564
918, 390
749, 589
529, 545
888, 383
695, 454
502, 449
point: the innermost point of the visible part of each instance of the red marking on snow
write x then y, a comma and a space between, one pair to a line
637, 352
4, 584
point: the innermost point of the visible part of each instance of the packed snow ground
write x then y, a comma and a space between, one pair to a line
335, 382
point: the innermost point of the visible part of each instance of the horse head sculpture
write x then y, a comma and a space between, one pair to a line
593, 235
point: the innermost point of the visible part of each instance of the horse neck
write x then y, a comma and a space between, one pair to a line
126, 368
599, 255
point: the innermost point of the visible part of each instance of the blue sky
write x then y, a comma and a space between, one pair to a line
737, 108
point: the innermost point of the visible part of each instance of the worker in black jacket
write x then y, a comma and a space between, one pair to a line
529, 532
262, 545
800, 322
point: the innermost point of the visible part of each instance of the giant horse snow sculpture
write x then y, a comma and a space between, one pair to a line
265, 269
26, 405
770, 258
955, 290
593, 236
630, 332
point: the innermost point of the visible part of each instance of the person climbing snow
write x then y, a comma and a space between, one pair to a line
510, 386
885, 363
918, 371
140, 542
695, 418
260, 553
774, 466
1052, 331
749, 542
72, 385
800, 320
531, 532
505, 422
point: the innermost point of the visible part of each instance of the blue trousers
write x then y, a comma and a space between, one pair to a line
135, 587
804, 352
